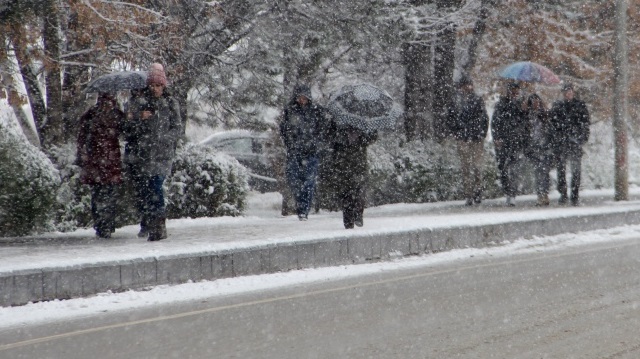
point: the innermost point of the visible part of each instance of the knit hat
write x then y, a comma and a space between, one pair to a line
156, 75
567, 86
302, 90
464, 81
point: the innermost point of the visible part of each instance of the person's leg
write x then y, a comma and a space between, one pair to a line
348, 207
310, 171
466, 158
502, 159
101, 210
477, 154
561, 167
293, 170
156, 209
139, 183
575, 162
111, 207
359, 204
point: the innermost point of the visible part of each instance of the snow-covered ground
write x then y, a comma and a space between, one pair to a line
264, 206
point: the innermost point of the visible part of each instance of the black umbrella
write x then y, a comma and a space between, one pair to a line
365, 107
118, 81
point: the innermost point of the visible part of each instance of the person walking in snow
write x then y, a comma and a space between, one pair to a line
349, 170
510, 131
98, 155
303, 131
152, 133
570, 123
469, 128
539, 151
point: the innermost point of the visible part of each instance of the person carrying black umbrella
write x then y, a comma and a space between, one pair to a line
152, 131
98, 155
570, 121
303, 130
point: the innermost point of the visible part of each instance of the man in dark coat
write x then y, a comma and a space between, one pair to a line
469, 128
569, 132
98, 154
349, 170
510, 131
152, 132
303, 131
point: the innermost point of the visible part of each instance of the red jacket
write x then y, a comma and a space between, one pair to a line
98, 150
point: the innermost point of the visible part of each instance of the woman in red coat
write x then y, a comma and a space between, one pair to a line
98, 155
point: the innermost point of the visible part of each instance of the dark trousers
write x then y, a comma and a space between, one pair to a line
353, 203
574, 159
541, 161
301, 174
103, 208
149, 196
507, 165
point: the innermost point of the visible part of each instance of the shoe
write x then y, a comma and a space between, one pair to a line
563, 199
477, 200
359, 222
303, 217
469, 202
511, 201
543, 201
158, 230
144, 232
348, 225
575, 202
103, 234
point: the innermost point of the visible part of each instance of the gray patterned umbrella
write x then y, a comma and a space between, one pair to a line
118, 81
365, 107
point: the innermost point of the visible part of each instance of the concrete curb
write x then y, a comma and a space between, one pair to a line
21, 287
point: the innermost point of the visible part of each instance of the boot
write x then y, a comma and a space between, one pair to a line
144, 228
543, 200
157, 230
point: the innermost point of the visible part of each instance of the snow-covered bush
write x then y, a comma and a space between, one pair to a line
28, 186
414, 172
205, 184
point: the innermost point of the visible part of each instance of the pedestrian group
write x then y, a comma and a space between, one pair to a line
152, 125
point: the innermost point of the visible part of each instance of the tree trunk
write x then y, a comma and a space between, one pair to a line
477, 34
418, 94
621, 74
53, 129
29, 77
443, 96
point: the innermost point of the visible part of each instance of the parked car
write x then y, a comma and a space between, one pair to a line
250, 149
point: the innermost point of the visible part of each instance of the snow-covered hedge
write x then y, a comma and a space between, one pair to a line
205, 184
28, 186
414, 172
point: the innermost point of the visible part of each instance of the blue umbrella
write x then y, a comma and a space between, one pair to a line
528, 71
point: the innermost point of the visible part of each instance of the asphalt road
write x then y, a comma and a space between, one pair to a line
581, 302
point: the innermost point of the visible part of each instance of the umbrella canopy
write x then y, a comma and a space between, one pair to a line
118, 81
528, 71
365, 107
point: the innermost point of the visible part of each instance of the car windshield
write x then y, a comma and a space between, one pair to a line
236, 145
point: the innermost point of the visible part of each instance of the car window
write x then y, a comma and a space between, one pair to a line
242, 145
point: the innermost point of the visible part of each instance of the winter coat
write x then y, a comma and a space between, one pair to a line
471, 121
348, 156
569, 122
540, 133
509, 124
151, 143
303, 129
98, 147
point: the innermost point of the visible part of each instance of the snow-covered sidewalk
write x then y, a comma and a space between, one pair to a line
77, 264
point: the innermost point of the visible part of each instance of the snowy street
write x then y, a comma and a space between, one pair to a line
573, 295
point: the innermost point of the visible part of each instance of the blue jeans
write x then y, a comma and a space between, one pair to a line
301, 174
150, 196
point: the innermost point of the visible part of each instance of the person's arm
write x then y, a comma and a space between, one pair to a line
175, 121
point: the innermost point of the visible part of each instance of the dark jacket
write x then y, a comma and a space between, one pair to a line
303, 129
569, 122
540, 135
151, 143
98, 147
348, 158
471, 121
509, 124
